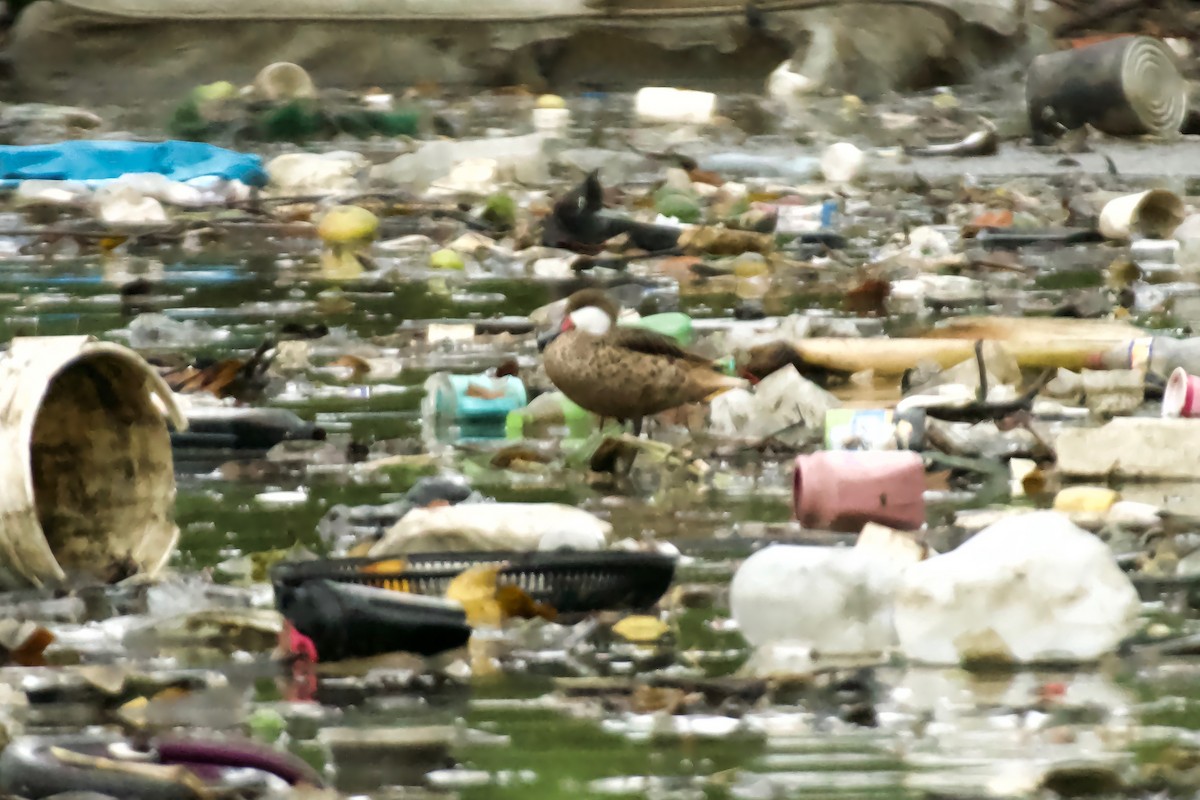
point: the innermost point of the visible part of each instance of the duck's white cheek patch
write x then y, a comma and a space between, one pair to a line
591, 320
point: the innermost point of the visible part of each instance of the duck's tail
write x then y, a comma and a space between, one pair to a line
715, 383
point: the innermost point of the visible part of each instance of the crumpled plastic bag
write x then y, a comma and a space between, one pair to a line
781, 400
339, 172
125, 205
493, 527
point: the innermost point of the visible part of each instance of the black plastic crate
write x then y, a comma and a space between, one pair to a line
569, 582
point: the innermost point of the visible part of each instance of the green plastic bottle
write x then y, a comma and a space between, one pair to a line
674, 324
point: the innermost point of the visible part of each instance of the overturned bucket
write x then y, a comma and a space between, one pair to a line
1127, 86
87, 483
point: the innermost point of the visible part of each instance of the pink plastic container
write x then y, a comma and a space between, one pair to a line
844, 490
1181, 398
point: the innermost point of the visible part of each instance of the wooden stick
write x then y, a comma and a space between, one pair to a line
982, 393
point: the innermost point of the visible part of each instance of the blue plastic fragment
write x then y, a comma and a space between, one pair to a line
95, 161
828, 210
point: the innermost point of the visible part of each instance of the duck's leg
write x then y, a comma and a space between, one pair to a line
637, 427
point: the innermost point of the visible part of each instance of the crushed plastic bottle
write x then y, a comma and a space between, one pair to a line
1155, 355
518, 158
792, 168
159, 330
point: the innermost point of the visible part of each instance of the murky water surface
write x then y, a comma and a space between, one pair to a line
563, 719
928, 733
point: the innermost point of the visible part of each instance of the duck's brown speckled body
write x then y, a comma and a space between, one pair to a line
626, 373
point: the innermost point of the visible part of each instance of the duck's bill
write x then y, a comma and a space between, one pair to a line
546, 338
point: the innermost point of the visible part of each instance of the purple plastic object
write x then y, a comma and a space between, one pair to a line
844, 490
242, 754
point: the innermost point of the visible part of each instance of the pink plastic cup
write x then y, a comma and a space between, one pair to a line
844, 490
1181, 398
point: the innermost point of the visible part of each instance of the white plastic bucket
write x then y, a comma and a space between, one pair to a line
87, 482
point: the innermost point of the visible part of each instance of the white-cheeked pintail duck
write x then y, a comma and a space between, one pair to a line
624, 373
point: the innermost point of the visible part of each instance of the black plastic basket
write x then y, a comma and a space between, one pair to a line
569, 582
350, 621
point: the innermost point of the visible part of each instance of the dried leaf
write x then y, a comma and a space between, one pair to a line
937, 481
170, 694
680, 268
641, 629
705, 176
896, 546
1088, 41
360, 549
610, 452
172, 773
31, 652
475, 590
262, 561
133, 713
724, 241
869, 297
514, 602
488, 604
649, 699
178, 376
1034, 482
389, 566
995, 218
358, 366
1002, 260
295, 212
221, 375
763, 359
483, 660
482, 392
188, 379
108, 678
513, 90
214, 379
505, 458
424, 89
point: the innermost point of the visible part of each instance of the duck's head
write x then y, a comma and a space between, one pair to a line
590, 311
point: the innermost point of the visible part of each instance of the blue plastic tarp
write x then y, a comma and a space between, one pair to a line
91, 161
